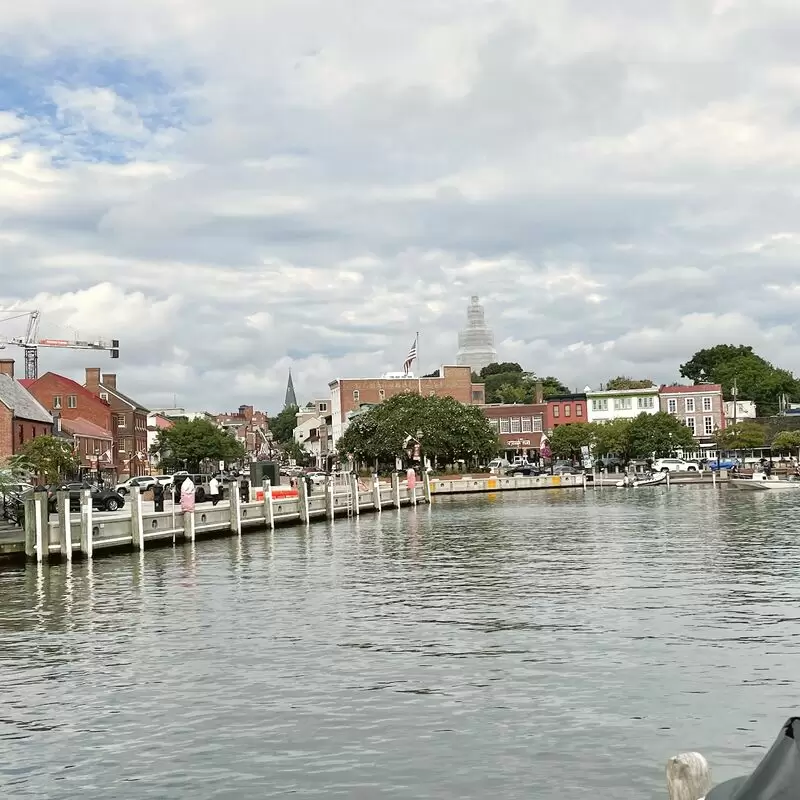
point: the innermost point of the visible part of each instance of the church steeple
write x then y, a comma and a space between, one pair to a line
291, 397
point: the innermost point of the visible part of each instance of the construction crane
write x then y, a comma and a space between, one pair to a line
30, 344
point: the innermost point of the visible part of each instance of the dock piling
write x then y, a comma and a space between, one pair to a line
354, 493
269, 509
376, 492
302, 493
64, 525
87, 531
235, 502
396, 489
137, 520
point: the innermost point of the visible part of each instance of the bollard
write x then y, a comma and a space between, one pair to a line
354, 493
376, 492
30, 525
688, 777
713, 479
426, 485
396, 489
667, 479
269, 508
188, 525
329, 498
87, 531
302, 494
42, 522
236, 508
137, 522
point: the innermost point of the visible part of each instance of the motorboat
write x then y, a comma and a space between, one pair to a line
634, 482
761, 482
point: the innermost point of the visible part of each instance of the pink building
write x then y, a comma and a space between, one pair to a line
699, 407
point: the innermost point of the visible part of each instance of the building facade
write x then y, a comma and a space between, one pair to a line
128, 425
700, 408
609, 404
22, 417
349, 394
564, 409
313, 430
738, 410
81, 415
519, 427
476, 341
250, 427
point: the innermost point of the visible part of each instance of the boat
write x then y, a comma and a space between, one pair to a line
761, 482
632, 482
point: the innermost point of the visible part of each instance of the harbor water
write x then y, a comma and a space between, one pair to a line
547, 644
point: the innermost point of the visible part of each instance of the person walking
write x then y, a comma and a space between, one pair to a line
213, 490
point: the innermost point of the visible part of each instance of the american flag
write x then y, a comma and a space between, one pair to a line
412, 354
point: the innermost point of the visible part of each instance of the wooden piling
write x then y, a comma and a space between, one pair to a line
235, 503
188, 526
87, 531
269, 508
302, 494
42, 523
330, 502
396, 489
354, 493
30, 525
137, 519
688, 777
64, 525
376, 492
426, 485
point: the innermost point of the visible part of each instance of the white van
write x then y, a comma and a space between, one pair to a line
496, 464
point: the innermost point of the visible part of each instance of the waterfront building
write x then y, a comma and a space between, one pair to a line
156, 422
738, 410
349, 394
519, 427
248, 426
476, 341
563, 409
81, 415
313, 430
700, 407
605, 405
128, 425
22, 416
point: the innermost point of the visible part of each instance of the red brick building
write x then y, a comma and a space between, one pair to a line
701, 408
563, 409
22, 417
81, 414
250, 427
349, 394
519, 426
128, 424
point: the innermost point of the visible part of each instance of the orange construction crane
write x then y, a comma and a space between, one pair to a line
30, 344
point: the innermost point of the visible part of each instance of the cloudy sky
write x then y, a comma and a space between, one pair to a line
233, 188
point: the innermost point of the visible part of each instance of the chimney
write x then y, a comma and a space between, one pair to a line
110, 380
93, 379
539, 392
7, 367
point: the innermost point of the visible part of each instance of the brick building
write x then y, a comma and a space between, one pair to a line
22, 417
250, 427
349, 394
562, 409
519, 426
128, 425
700, 408
80, 414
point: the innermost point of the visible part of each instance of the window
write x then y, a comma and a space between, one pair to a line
556, 411
57, 401
494, 424
356, 395
104, 396
72, 401
708, 425
706, 404
381, 396
672, 406
324, 406
120, 421
537, 424
567, 410
516, 425
691, 425
690, 405
526, 425
644, 402
477, 396
578, 409
121, 447
599, 405
505, 426
623, 404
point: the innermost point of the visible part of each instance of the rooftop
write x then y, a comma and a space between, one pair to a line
82, 427
24, 405
694, 389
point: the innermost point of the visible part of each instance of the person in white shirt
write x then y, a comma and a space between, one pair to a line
213, 490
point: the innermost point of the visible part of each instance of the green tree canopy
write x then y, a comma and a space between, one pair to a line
702, 366
507, 382
49, 457
295, 451
623, 382
449, 430
188, 442
785, 441
283, 425
566, 441
501, 368
553, 386
742, 436
658, 436
612, 438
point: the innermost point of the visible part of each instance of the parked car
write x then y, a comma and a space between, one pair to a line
317, 478
675, 465
524, 469
164, 480
715, 464
103, 498
144, 482
567, 469
498, 463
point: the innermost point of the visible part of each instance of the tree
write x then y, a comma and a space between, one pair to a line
742, 436
435, 374
701, 367
785, 441
623, 382
295, 451
448, 430
566, 441
501, 368
283, 425
49, 457
613, 438
553, 386
14, 471
658, 435
189, 442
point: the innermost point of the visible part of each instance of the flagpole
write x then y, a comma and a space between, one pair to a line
419, 374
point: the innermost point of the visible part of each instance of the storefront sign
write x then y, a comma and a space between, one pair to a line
519, 442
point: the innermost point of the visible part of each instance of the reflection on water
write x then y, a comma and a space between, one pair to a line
540, 645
